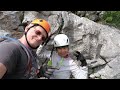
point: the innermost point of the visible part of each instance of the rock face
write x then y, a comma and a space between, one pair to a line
100, 44
92, 15
10, 20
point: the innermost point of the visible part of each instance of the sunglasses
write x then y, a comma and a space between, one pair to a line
37, 32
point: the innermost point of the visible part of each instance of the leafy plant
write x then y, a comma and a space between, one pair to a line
112, 18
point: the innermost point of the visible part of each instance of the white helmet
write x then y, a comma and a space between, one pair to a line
61, 40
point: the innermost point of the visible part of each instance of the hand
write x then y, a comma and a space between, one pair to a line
80, 57
46, 71
41, 72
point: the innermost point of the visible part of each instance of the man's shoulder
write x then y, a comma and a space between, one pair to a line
9, 47
8, 44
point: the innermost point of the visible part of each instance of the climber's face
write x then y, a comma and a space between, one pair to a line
35, 36
63, 51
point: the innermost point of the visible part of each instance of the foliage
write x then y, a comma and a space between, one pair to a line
112, 18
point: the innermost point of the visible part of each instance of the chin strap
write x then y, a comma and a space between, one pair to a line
27, 39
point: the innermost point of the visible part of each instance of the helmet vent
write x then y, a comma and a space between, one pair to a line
67, 40
41, 20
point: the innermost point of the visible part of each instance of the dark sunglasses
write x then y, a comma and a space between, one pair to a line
37, 32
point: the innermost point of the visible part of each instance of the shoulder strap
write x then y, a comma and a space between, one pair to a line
3, 38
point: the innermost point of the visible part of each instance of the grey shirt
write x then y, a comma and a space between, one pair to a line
15, 59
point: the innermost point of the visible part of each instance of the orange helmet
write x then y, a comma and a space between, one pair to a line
43, 23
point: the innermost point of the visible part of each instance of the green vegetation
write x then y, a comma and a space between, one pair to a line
112, 18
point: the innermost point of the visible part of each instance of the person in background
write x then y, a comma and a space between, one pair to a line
63, 64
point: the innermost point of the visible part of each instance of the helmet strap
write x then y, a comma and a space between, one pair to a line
27, 39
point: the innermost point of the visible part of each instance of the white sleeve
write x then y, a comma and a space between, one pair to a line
79, 72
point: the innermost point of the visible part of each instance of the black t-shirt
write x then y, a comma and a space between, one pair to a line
15, 59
